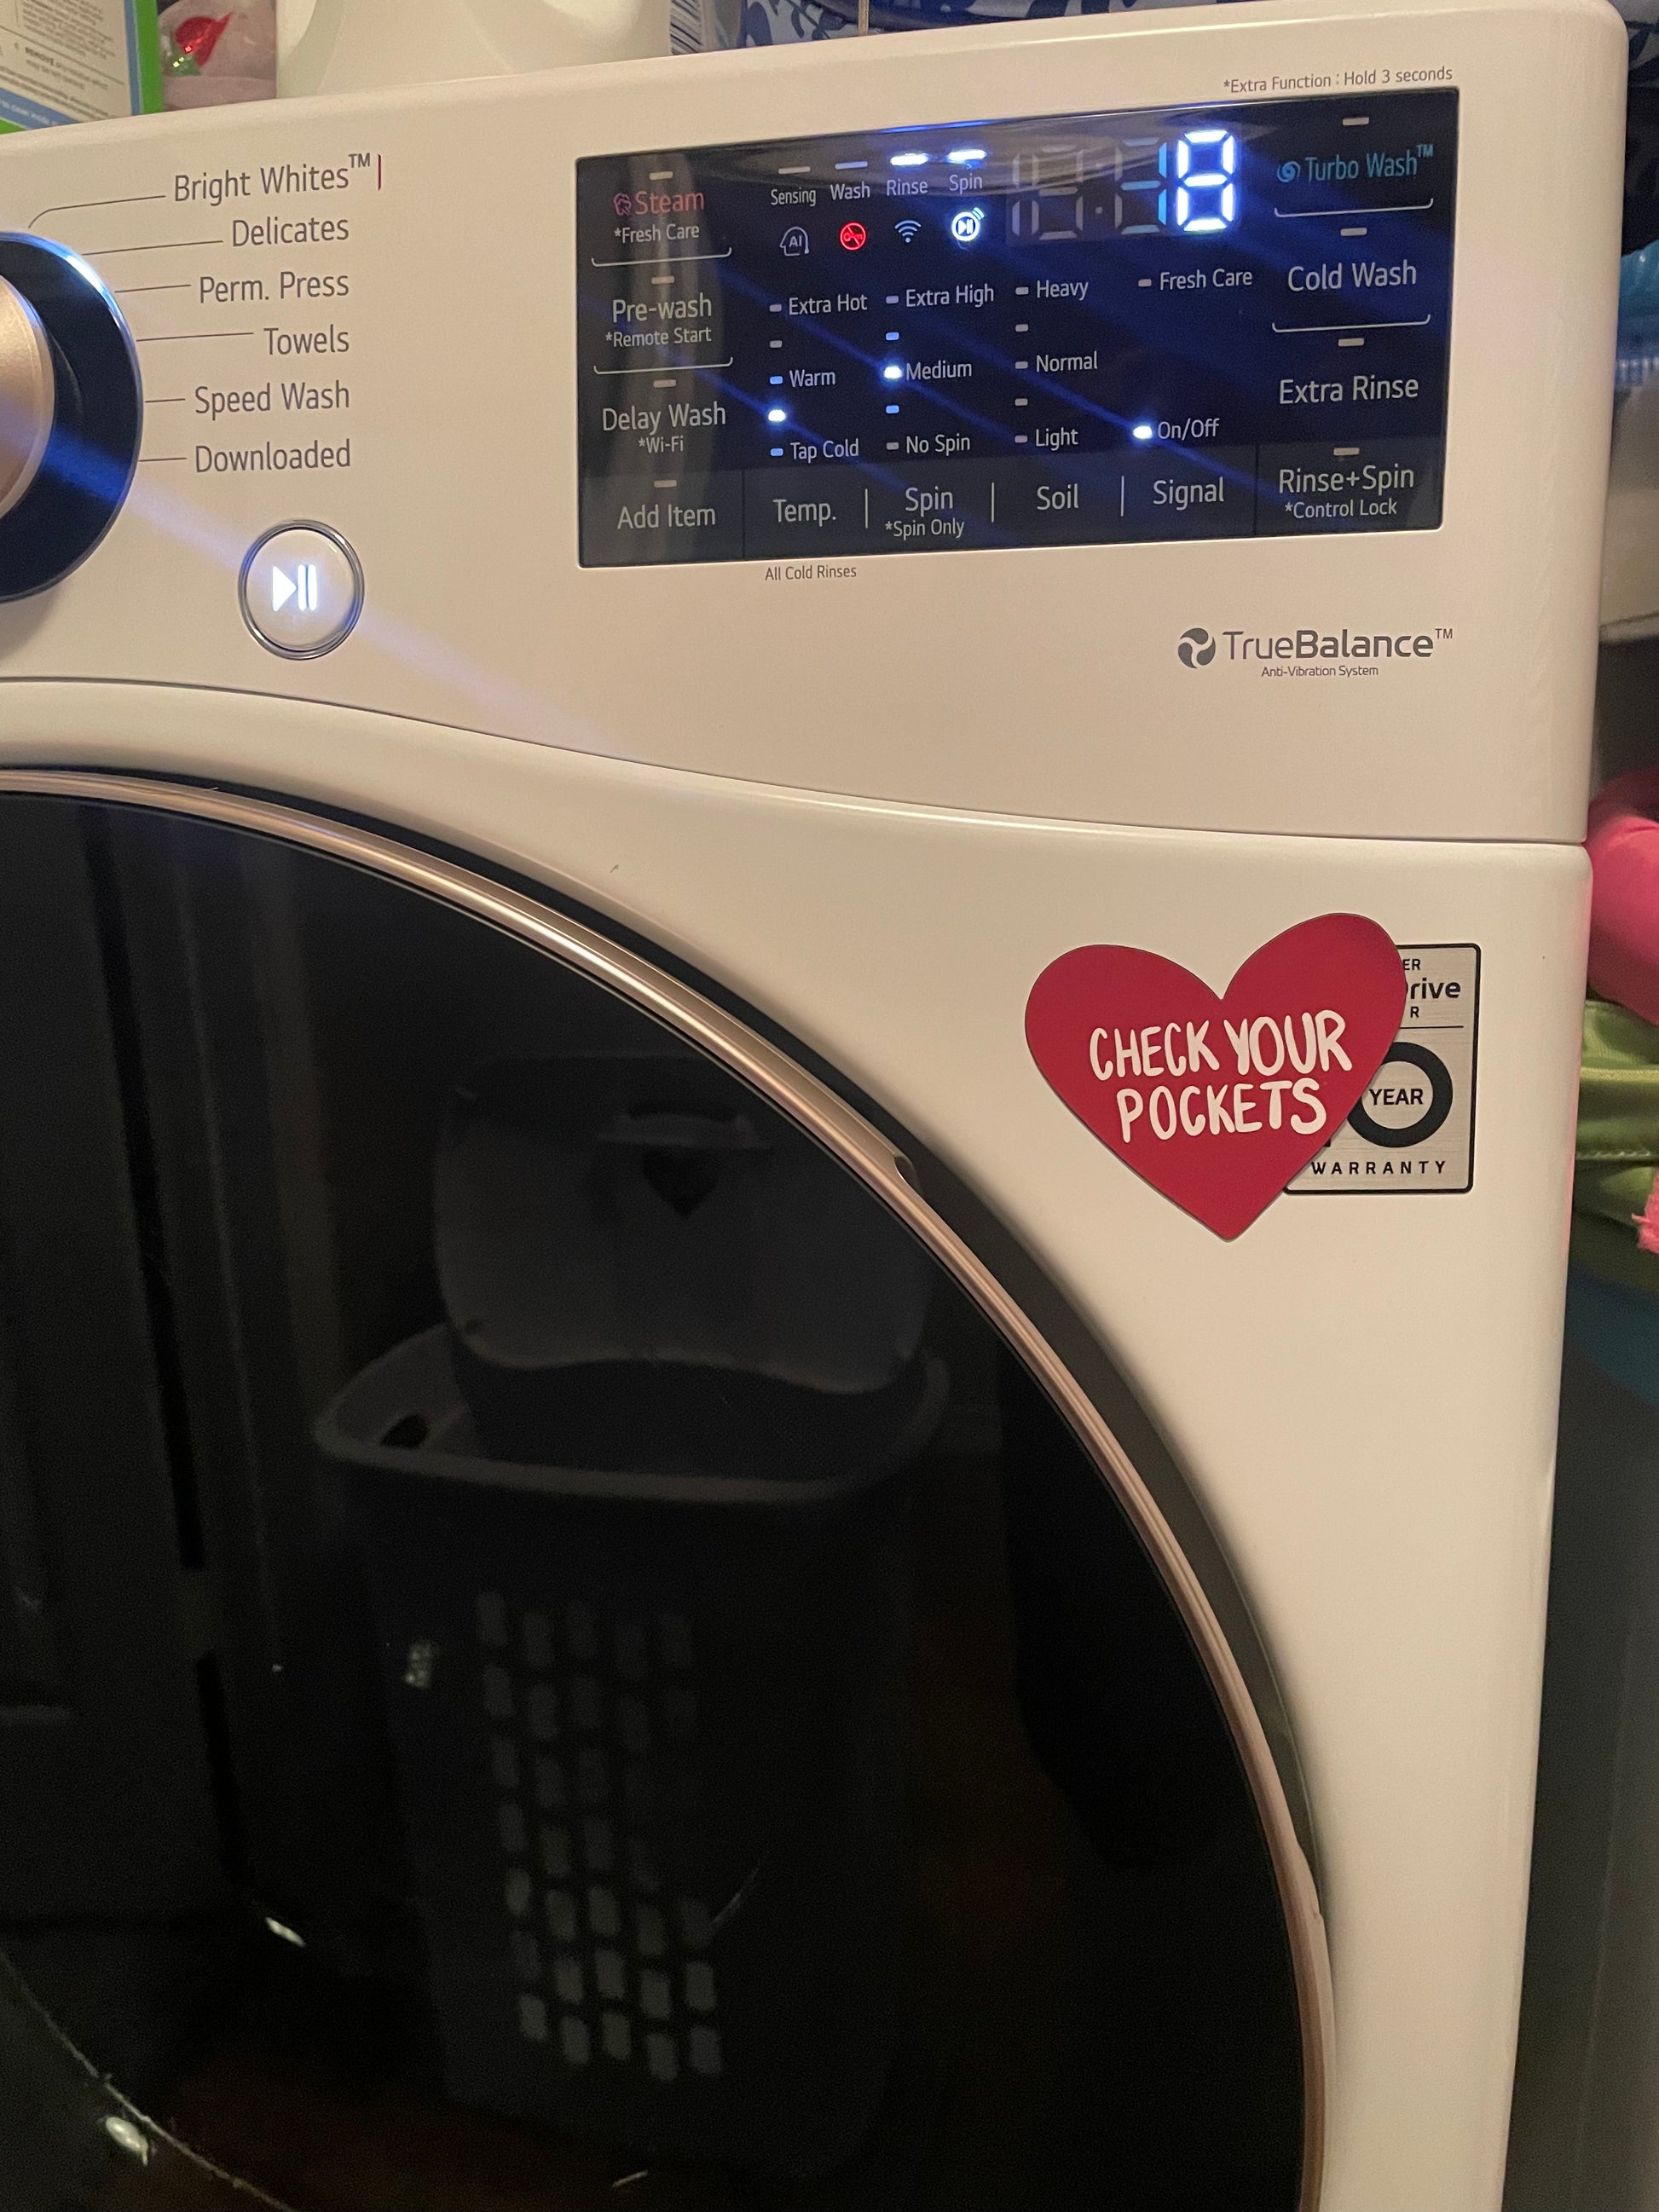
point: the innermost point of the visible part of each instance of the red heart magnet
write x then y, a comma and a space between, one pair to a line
1217, 1101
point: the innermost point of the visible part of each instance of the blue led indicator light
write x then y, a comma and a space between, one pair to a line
777, 414
1143, 431
966, 157
908, 161
894, 371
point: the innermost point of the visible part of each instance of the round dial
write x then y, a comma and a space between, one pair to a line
71, 413
28, 395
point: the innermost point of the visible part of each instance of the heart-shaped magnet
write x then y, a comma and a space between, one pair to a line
1216, 1102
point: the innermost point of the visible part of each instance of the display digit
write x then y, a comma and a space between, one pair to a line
1025, 209
1206, 196
1141, 197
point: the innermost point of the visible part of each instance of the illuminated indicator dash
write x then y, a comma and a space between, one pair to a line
1324, 215
660, 176
1324, 330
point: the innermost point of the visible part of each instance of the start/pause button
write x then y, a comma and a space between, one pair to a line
301, 590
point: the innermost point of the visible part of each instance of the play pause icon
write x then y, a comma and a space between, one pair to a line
301, 588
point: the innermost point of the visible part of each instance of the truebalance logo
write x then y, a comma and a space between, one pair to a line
1312, 652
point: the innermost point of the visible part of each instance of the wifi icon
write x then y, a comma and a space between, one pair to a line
908, 229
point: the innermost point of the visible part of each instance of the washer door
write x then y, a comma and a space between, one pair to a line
565, 1640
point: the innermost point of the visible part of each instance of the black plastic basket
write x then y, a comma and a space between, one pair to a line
603, 1213
651, 1728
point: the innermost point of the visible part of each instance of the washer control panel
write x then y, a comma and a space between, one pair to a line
1234, 381
1208, 322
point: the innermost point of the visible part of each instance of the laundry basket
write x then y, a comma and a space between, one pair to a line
643, 1621
600, 1210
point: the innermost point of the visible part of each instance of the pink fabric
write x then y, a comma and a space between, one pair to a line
1623, 849
1647, 1224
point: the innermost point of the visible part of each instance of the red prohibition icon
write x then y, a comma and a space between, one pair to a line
853, 235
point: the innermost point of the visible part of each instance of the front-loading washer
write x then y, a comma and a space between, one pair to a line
1026, 601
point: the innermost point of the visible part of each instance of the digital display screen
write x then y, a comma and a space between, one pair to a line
1220, 322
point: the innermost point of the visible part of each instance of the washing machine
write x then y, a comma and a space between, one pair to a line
700, 626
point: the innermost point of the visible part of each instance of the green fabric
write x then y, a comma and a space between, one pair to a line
1617, 1144
1611, 1255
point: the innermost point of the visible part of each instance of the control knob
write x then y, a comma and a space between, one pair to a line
71, 412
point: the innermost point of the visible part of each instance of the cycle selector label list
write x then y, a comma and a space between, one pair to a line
1210, 322
248, 344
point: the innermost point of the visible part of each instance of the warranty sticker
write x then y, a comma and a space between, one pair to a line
1411, 1128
